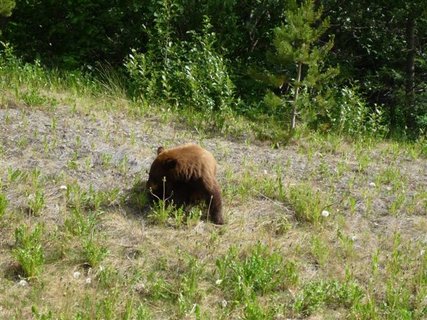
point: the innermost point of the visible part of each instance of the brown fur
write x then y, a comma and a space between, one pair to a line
190, 173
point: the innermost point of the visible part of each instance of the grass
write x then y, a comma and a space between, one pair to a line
324, 228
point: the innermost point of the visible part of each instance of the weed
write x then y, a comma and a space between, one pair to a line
97, 199
93, 253
391, 176
36, 202
319, 250
136, 311
106, 160
368, 197
363, 162
317, 294
46, 147
28, 250
53, 123
108, 276
164, 212
36, 177
257, 273
79, 224
132, 137
78, 143
42, 316
193, 216
189, 294
160, 212
15, 175
253, 310
23, 142
105, 309
352, 204
323, 169
159, 289
279, 225
75, 196
91, 199
396, 261
33, 98
124, 165
88, 163
347, 244
417, 204
375, 263
3, 205
366, 310
138, 196
72, 163
397, 204
342, 167
307, 203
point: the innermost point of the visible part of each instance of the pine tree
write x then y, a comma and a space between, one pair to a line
6, 7
298, 59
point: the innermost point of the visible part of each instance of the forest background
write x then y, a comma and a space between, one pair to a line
353, 67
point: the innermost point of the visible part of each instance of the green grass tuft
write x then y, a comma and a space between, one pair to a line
28, 250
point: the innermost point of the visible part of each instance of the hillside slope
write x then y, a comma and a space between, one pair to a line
347, 222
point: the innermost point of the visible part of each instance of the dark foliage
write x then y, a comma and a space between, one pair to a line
380, 47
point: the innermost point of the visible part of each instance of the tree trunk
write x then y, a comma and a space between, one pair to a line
294, 106
410, 73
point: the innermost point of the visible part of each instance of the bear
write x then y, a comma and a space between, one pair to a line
190, 173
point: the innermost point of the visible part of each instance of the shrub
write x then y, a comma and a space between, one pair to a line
352, 116
183, 73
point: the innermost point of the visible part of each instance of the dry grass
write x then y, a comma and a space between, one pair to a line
363, 259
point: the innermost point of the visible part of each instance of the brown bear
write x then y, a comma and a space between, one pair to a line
190, 173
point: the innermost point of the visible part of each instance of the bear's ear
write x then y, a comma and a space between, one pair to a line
170, 163
160, 150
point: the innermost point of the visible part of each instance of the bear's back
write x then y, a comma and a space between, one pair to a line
192, 161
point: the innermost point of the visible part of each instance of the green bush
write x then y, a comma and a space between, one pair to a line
352, 116
189, 73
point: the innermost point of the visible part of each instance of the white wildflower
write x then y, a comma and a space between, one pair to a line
325, 213
224, 303
23, 283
